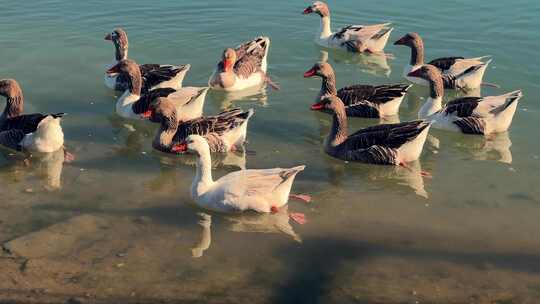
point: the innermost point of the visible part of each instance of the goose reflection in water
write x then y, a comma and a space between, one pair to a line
371, 63
492, 147
227, 100
47, 167
249, 222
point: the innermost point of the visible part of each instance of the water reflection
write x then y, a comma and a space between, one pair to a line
249, 222
493, 147
46, 168
228, 99
375, 64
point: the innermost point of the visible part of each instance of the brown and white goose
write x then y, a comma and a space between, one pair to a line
224, 132
353, 38
457, 72
359, 100
243, 67
154, 75
470, 115
31, 132
189, 101
386, 144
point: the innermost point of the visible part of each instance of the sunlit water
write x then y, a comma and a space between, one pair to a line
374, 234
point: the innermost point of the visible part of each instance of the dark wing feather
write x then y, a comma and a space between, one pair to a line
27, 123
374, 155
249, 57
471, 125
444, 63
387, 135
462, 107
154, 74
343, 30
217, 124
362, 109
12, 139
374, 94
143, 104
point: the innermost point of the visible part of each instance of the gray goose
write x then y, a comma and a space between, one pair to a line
457, 72
135, 103
31, 132
359, 100
153, 75
469, 115
386, 144
224, 132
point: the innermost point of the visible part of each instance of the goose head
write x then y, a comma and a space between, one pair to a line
410, 39
120, 40
427, 72
10, 88
163, 110
318, 7
332, 103
321, 69
228, 59
129, 69
433, 75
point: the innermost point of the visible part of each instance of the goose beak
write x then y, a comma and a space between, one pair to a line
317, 106
108, 37
307, 11
147, 114
114, 70
400, 41
179, 148
310, 73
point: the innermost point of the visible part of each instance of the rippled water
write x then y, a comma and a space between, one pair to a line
374, 234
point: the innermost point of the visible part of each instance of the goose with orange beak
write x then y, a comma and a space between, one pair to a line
243, 67
359, 100
224, 132
154, 76
189, 101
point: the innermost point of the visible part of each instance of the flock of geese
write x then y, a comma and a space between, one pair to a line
155, 92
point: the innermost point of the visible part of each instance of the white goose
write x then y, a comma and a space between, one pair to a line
262, 190
30, 132
154, 75
457, 72
243, 67
353, 38
189, 101
470, 115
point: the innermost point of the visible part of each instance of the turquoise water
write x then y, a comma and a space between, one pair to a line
374, 234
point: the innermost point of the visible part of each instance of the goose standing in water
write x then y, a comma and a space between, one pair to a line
189, 101
260, 190
469, 115
353, 38
387, 144
457, 72
359, 100
29, 132
224, 132
243, 67
154, 75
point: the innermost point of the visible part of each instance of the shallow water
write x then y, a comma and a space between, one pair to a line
374, 234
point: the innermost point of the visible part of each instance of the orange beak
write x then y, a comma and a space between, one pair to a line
147, 114
179, 148
307, 11
227, 64
415, 73
108, 37
317, 106
114, 70
310, 73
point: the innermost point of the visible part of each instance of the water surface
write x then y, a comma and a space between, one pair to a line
374, 234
